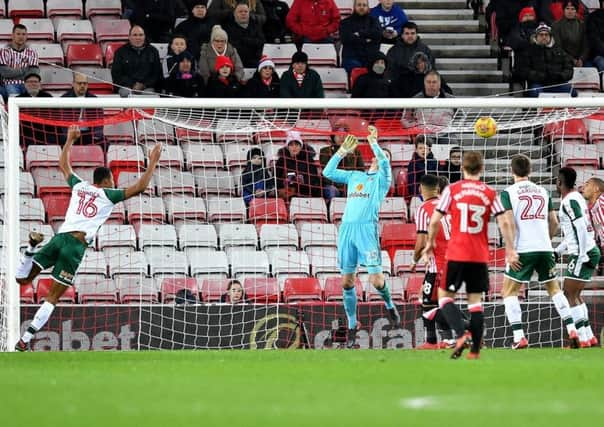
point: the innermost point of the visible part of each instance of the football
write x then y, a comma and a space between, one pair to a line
485, 127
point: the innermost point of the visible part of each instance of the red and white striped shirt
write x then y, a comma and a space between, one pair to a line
596, 214
25, 58
422, 223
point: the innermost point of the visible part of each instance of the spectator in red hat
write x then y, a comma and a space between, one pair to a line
520, 36
219, 46
222, 83
265, 82
313, 21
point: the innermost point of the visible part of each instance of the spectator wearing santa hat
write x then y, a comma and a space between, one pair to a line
299, 81
223, 83
265, 82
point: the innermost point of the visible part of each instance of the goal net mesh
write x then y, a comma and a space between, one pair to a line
238, 201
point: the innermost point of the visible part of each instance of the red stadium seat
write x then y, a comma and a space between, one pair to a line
43, 287
302, 289
262, 290
497, 259
56, 207
213, 289
333, 289
355, 74
569, 130
171, 285
25, 8
27, 294
84, 54
414, 288
397, 236
401, 183
110, 49
112, 30
267, 211
91, 156
111, 8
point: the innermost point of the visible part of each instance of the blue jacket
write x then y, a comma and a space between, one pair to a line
396, 18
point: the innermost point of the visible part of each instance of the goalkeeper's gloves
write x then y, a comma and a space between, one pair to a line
348, 146
373, 134
581, 259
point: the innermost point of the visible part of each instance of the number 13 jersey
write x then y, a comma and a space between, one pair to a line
89, 207
531, 204
470, 204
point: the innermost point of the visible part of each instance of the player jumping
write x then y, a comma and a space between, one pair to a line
470, 203
89, 208
358, 240
530, 208
580, 244
429, 186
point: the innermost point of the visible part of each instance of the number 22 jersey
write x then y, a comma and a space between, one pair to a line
470, 204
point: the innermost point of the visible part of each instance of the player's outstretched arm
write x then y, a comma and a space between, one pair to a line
331, 170
143, 181
73, 134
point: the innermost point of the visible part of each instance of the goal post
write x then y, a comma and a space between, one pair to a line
535, 126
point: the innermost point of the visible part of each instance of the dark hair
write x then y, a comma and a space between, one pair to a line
433, 73
574, 3
423, 139
455, 149
472, 162
100, 174
429, 181
19, 27
567, 177
410, 26
521, 165
443, 182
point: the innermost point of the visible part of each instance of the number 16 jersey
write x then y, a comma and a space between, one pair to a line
530, 203
89, 207
470, 204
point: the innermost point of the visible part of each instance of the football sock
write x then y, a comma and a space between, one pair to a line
476, 326
384, 292
443, 325
430, 324
563, 309
350, 306
514, 314
25, 265
40, 319
586, 323
577, 313
452, 314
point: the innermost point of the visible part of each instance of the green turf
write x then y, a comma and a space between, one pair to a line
290, 388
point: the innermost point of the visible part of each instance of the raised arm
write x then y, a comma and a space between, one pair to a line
143, 181
73, 134
331, 170
380, 155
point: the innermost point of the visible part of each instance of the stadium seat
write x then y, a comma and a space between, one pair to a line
125, 261
64, 8
3, 164
323, 260
397, 236
191, 136
402, 262
401, 183
166, 261
171, 157
280, 54
183, 208
214, 181
42, 156
336, 209
345, 7
236, 154
497, 259
355, 74
595, 128
333, 79
136, 290
226, 209
2, 9
27, 295
74, 30
25, 9
246, 262
397, 287
288, 261
414, 205
93, 263
333, 289
90, 156
50, 181
109, 51
238, 235
213, 289
568, 130
317, 234
39, 29
394, 208
26, 184
145, 208
119, 133
103, 7
586, 78
208, 263
413, 292
278, 235
197, 236
152, 131
308, 209
170, 181
306, 289
578, 154
493, 234
56, 79
320, 54
262, 290
401, 153
84, 54
156, 235
111, 30
267, 211
126, 179
203, 155
170, 286
92, 289
6, 29
116, 235
43, 288
56, 207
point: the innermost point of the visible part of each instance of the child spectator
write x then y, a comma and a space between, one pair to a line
256, 179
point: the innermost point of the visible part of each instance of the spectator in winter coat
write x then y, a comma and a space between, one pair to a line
422, 163
360, 34
520, 35
412, 82
594, 27
220, 10
299, 81
569, 34
451, 169
275, 30
295, 169
156, 17
265, 82
544, 65
313, 21
177, 45
184, 80
506, 15
399, 56
136, 65
197, 27
245, 34
223, 83
391, 18
375, 84
79, 89
35, 133
219, 46
256, 179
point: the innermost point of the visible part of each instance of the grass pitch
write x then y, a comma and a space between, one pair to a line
302, 388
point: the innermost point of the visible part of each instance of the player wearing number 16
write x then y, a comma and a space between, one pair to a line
470, 203
89, 208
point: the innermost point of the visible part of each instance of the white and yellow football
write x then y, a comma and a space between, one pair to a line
485, 127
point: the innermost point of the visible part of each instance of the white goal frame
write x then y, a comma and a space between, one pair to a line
16, 104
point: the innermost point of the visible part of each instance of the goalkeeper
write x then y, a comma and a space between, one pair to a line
358, 241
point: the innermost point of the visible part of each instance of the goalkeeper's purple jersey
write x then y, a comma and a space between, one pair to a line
366, 191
